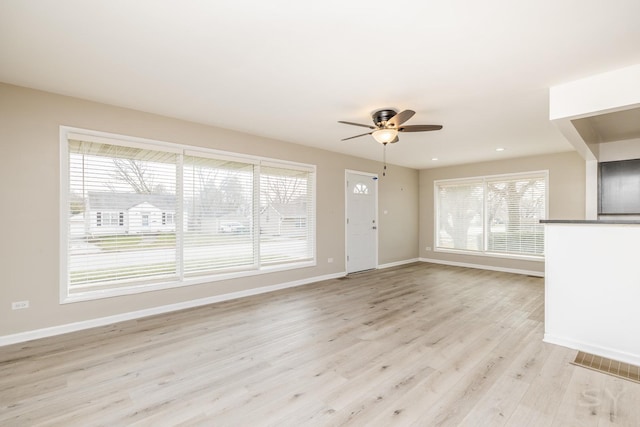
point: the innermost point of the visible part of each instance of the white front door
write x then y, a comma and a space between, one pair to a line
361, 221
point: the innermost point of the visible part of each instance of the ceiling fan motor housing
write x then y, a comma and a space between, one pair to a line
382, 116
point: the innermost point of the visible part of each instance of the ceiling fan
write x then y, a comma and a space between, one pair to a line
387, 125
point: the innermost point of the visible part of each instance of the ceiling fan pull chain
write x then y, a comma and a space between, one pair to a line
384, 159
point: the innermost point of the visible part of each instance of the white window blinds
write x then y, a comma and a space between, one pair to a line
142, 216
460, 216
117, 198
218, 206
494, 215
514, 209
287, 215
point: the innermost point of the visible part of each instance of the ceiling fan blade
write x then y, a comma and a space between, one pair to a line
400, 118
357, 124
357, 136
419, 128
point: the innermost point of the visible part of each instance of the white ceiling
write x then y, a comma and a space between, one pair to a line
290, 70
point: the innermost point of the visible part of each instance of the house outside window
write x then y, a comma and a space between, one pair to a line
158, 215
492, 215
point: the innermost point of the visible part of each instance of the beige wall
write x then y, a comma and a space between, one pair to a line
398, 200
29, 185
566, 199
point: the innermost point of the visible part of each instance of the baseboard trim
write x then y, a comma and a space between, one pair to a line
108, 320
484, 267
609, 353
398, 263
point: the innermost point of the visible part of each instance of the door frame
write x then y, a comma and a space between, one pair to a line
375, 177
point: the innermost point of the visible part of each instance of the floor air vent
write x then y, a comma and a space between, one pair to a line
608, 366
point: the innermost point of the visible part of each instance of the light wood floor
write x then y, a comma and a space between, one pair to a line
422, 345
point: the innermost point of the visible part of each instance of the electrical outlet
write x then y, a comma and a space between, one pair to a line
330, 260
428, 248
19, 305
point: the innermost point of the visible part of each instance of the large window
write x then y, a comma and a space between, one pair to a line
495, 215
142, 215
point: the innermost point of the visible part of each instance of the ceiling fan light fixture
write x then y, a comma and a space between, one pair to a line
384, 136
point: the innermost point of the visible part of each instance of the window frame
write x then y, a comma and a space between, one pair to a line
483, 179
168, 218
66, 133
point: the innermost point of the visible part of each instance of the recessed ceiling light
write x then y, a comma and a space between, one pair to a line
499, 149
434, 158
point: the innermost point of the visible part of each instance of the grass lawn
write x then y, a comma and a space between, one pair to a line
128, 242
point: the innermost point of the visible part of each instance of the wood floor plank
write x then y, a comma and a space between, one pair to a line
421, 344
